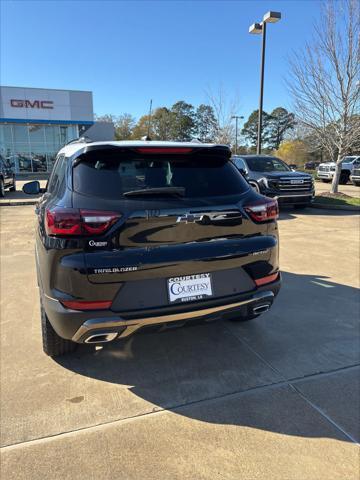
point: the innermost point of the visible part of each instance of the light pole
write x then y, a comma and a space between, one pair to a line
236, 130
256, 28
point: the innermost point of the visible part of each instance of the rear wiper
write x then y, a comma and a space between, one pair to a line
176, 191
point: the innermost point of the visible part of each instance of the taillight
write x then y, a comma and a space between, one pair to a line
75, 222
97, 222
264, 210
63, 221
84, 305
175, 150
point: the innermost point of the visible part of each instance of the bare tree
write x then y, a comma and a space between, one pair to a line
124, 125
224, 108
324, 81
107, 118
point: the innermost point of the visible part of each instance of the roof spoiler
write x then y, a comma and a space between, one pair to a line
212, 151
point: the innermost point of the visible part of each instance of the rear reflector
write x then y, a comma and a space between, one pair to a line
84, 305
71, 221
267, 279
264, 210
151, 150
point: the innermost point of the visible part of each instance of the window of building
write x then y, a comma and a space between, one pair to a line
52, 137
20, 133
33, 148
38, 155
50, 158
6, 142
22, 157
36, 134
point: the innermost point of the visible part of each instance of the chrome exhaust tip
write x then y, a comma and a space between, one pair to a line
261, 308
101, 337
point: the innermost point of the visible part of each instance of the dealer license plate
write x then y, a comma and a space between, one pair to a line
189, 287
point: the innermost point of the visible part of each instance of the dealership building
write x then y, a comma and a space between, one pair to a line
36, 122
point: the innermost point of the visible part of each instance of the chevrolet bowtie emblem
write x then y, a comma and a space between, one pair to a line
190, 218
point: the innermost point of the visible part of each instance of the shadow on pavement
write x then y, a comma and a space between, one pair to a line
290, 213
312, 328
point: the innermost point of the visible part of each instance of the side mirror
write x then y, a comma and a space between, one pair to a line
243, 172
32, 188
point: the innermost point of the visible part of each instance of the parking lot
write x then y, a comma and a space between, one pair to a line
274, 398
348, 189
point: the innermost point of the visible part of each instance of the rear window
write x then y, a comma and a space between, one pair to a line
110, 175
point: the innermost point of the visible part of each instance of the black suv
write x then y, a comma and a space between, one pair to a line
274, 178
7, 176
138, 234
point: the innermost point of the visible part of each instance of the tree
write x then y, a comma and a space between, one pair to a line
293, 151
280, 122
141, 128
324, 81
107, 118
161, 124
250, 129
124, 126
206, 124
224, 107
182, 121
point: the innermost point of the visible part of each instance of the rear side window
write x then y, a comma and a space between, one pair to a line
110, 175
57, 178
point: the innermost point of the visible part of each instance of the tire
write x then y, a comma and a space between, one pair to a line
53, 345
325, 180
344, 178
2, 188
356, 183
13, 186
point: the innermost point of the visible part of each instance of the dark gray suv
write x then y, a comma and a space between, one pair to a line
274, 178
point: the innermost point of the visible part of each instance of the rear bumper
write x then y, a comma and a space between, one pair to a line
78, 326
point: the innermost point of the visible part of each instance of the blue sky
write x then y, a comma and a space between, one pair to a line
127, 52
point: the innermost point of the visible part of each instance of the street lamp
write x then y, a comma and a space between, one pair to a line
257, 28
236, 130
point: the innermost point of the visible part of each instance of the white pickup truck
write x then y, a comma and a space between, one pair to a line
355, 175
326, 171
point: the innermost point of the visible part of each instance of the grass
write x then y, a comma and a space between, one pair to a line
337, 199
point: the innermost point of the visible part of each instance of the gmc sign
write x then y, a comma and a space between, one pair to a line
31, 103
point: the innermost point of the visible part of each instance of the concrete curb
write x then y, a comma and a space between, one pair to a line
346, 208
